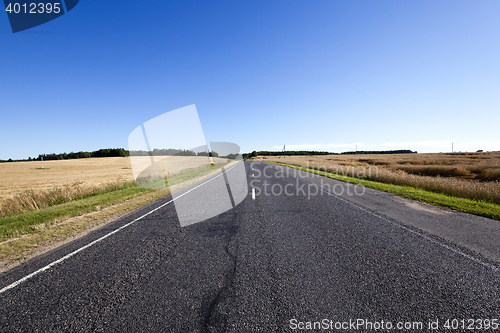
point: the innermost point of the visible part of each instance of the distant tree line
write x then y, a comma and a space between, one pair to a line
206, 153
306, 152
231, 156
402, 151
163, 152
285, 153
120, 152
110, 152
172, 152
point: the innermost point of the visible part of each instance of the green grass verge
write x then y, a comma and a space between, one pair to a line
172, 180
470, 206
26, 222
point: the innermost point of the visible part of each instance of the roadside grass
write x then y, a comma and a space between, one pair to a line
33, 200
189, 174
29, 221
476, 207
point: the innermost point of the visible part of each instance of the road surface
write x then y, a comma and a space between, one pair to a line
277, 263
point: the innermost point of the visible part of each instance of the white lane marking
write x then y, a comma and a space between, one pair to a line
29, 276
253, 193
456, 251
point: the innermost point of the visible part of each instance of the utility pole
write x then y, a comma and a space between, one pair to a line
283, 152
42, 162
452, 147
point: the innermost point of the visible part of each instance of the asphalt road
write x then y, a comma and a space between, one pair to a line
270, 264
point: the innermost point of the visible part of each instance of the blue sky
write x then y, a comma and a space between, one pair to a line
323, 75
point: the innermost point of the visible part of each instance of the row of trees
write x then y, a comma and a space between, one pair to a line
163, 152
172, 152
110, 152
401, 151
120, 152
286, 153
306, 152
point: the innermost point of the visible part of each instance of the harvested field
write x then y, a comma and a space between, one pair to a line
26, 186
16, 177
468, 175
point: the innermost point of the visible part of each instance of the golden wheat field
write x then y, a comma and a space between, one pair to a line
17, 177
468, 175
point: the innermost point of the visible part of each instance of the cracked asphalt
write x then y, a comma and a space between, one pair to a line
266, 262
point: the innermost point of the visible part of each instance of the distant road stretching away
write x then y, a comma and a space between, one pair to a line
271, 264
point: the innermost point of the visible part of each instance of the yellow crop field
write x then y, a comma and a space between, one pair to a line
16, 177
84, 174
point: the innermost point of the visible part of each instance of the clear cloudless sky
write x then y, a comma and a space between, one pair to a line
322, 75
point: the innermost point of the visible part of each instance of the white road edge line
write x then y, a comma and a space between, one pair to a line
43, 269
